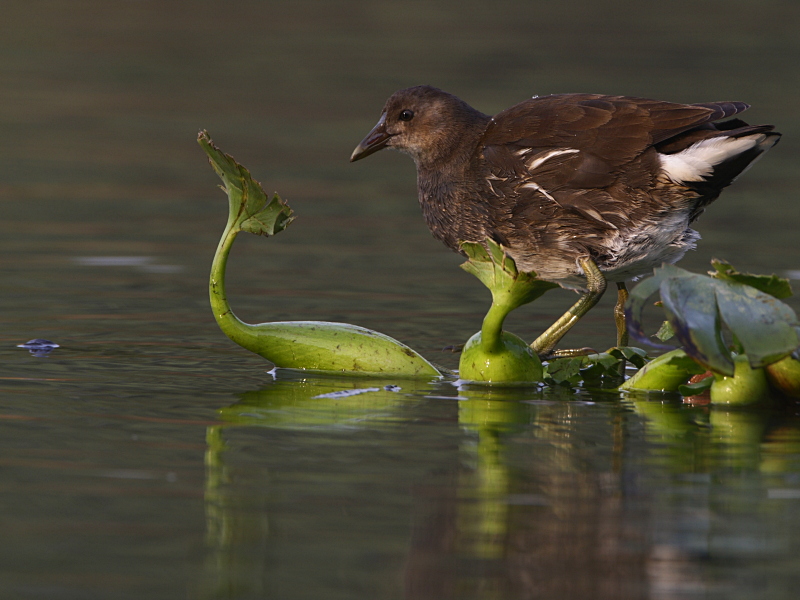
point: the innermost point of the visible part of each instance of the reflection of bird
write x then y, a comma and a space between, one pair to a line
579, 188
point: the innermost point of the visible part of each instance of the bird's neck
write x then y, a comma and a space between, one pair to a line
447, 180
453, 145
453, 210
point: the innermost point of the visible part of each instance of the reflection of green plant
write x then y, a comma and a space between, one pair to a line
297, 402
731, 323
320, 346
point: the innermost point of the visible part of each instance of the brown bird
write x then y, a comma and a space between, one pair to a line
579, 188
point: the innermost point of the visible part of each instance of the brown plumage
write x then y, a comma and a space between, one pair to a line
559, 179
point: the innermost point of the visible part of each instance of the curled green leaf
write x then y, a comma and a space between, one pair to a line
691, 308
250, 209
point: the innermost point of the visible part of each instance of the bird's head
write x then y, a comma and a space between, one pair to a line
424, 122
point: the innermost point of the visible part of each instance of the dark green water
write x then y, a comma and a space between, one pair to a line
149, 457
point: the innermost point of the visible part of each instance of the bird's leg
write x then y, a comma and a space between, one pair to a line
619, 314
596, 282
619, 319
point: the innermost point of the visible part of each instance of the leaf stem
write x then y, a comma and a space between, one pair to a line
236, 329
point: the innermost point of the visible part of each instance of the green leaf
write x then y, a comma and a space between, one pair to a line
665, 332
591, 369
769, 284
601, 366
564, 371
691, 306
698, 306
664, 373
694, 389
636, 356
270, 220
639, 300
510, 287
249, 207
763, 325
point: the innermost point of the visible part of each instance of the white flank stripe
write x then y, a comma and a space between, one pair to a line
541, 158
535, 186
698, 160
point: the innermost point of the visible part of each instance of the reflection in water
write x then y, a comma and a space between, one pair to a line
238, 524
237, 530
541, 499
146, 264
543, 528
308, 403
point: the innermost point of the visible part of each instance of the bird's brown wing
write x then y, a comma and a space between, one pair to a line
584, 154
616, 128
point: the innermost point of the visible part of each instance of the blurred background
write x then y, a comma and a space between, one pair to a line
110, 214
102, 101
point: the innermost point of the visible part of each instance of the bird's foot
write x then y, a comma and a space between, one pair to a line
454, 348
567, 353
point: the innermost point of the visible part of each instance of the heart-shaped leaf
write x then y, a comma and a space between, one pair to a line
763, 325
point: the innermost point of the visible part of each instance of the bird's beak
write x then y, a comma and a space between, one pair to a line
375, 140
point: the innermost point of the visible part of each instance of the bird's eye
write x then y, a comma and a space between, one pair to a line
406, 115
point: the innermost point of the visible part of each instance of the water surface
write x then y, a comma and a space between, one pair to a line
150, 457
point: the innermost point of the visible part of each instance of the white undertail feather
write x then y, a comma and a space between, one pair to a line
698, 160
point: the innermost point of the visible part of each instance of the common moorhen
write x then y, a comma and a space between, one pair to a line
579, 188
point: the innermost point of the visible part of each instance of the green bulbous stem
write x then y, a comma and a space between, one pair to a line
785, 376
665, 373
492, 327
746, 386
237, 330
497, 356
313, 345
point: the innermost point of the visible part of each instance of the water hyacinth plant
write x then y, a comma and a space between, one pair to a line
732, 326
493, 355
308, 345
729, 324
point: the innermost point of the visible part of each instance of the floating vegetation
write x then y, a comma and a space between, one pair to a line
738, 341
308, 345
731, 325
